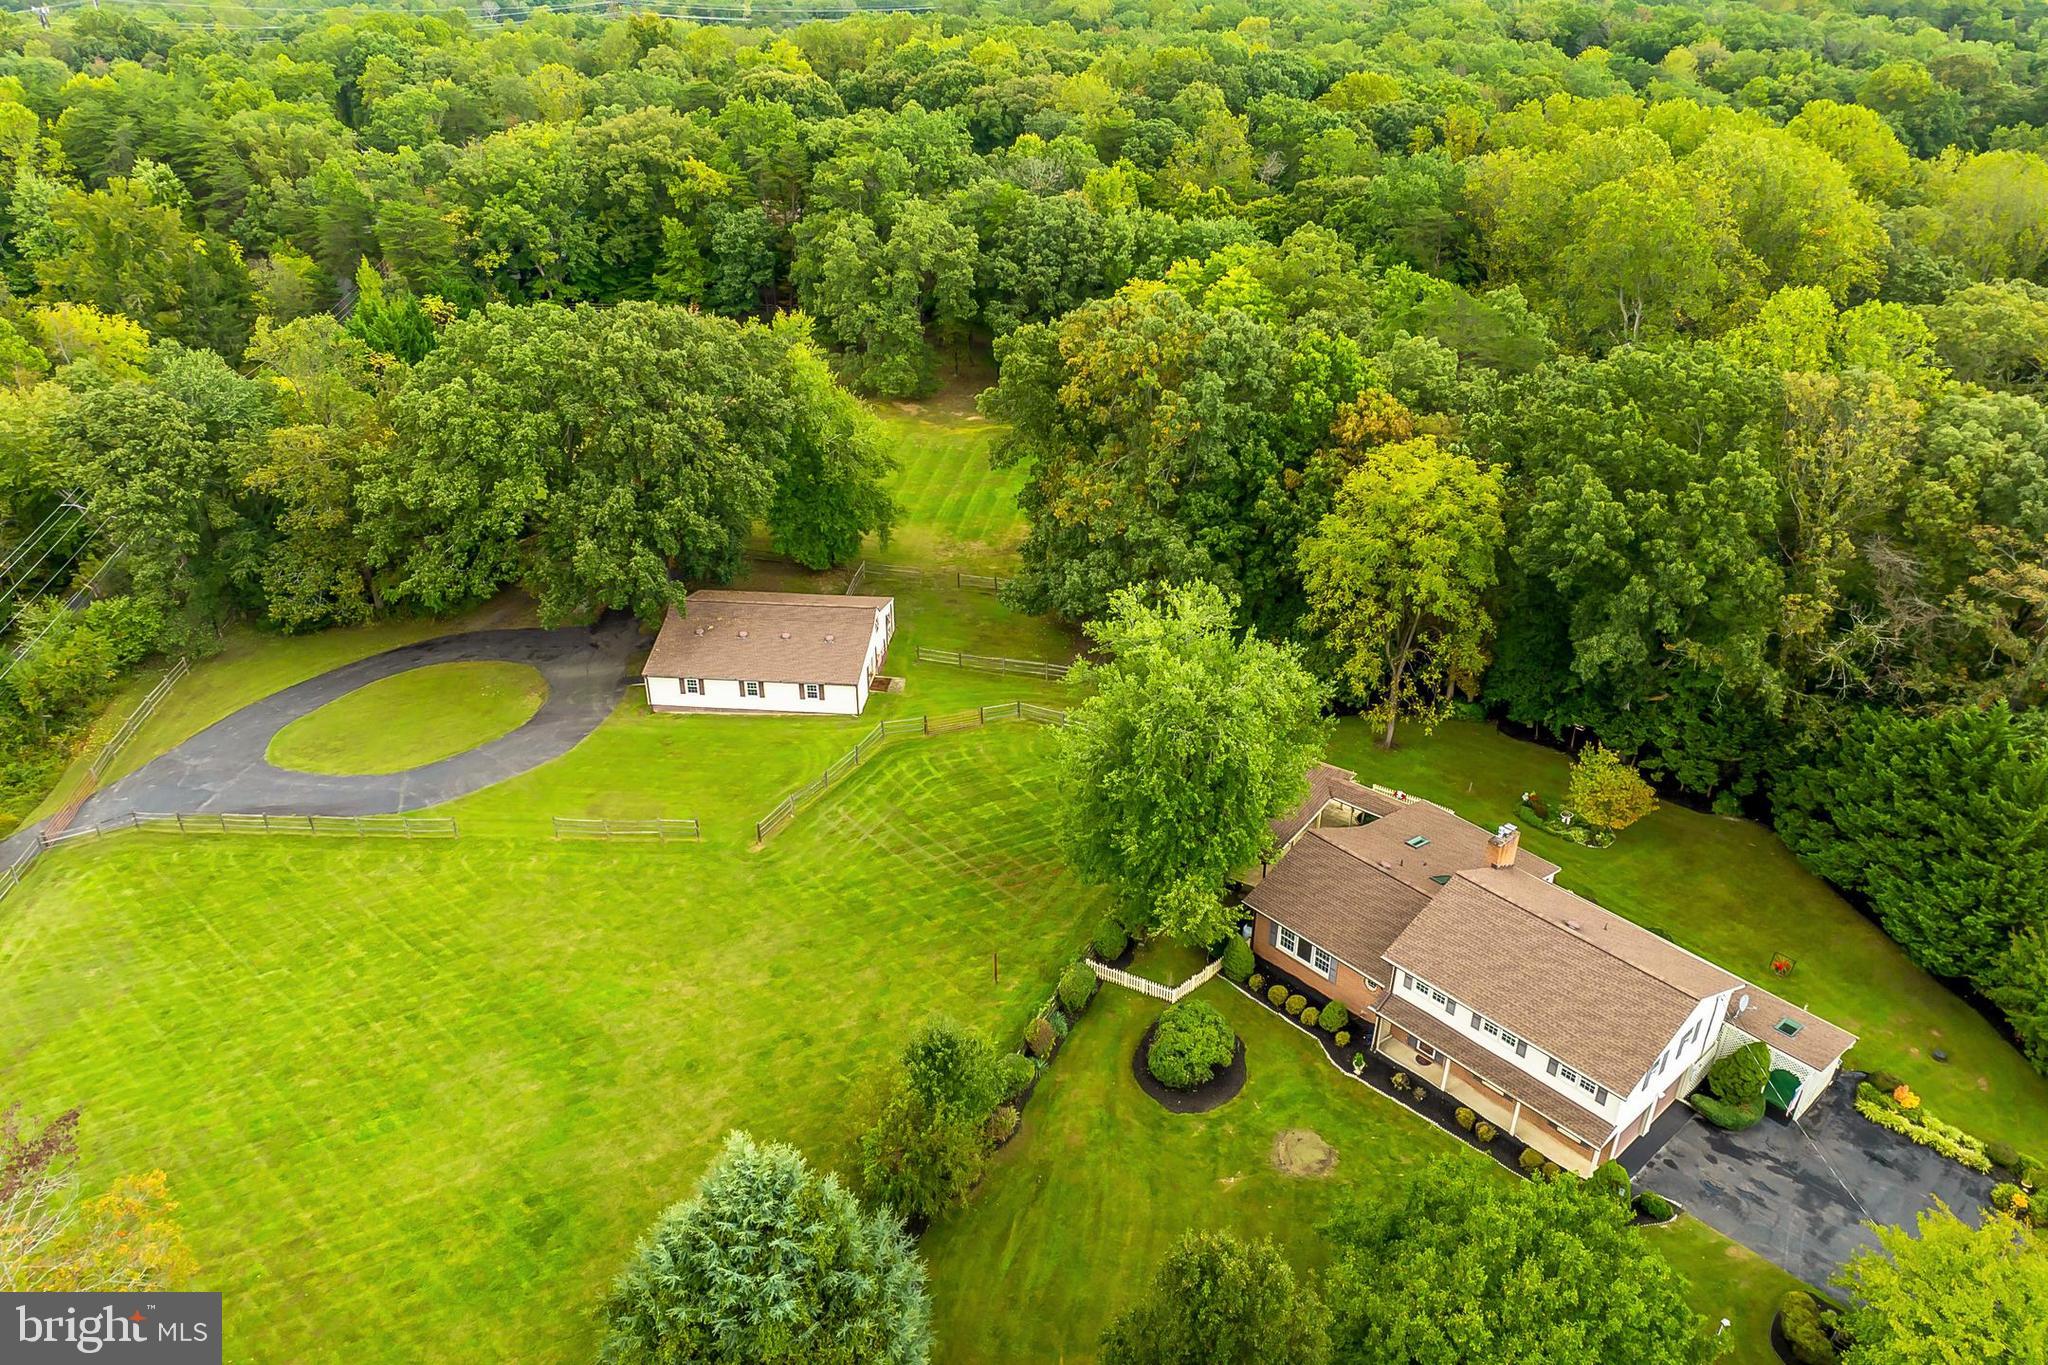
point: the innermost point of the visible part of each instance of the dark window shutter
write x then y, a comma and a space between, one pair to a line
1472, 1017
1552, 1068
1450, 1005
1521, 1049
1600, 1095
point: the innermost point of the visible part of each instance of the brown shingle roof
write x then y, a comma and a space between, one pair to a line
766, 636
1443, 1035
1818, 1043
1642, 948
1328, 897
1566, 993
1327, 782
1454, 845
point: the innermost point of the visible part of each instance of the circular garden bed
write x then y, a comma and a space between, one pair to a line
1193, 1052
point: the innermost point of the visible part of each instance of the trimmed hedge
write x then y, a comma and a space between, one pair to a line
1077, 984
1190, 1045
1310, 1016
1799, 1318
1530, 1160
1923, 1128
1110, 939
1343, 1039
1733, 1117
1014, 1072
1039, 1038
1465, 1117
1741, 1075
1238, 961
1334, 1016
1296, 1004
1611, 1178
1485, 1132
1277, 995
1654, 1206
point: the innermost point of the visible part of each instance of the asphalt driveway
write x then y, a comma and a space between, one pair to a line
1799, 1194
223, 768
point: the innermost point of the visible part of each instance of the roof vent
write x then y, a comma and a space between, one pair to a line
828, 639
785, 635
1574, 926
700, 630
743, 635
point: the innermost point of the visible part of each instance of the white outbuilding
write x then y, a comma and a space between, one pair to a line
770, 651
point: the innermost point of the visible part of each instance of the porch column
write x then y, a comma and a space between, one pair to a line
1447, 1072
1515, 1121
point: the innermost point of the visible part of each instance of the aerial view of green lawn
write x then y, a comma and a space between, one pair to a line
417, 717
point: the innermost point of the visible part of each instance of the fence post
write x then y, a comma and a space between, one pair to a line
927, 718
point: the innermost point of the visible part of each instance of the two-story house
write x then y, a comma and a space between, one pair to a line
1564, 1025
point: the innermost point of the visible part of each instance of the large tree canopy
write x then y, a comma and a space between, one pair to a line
1192, 741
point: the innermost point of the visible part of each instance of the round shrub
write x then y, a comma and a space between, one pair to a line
1278, 995
1611, 1179
1058, 1022
1654, 1206
1335, 1016
1530, 1160
1485, 1132
1110, 939
1799, 1317
1190, 1045
1238, 961
1309, 1016
1039, 1038
1343, 1038
1077, 983
1296, 1003
1551, 1170
1013, 1073
1256, 983
2003, 1155
1465, 1117
2010, 1198
1400, 1080
1740, 1076
1733, 1117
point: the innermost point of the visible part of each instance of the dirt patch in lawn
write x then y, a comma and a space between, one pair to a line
1301, 1151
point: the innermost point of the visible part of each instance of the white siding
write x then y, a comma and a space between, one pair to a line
727, 694
1704, 1026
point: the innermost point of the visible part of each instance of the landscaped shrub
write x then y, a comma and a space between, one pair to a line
1485, 1132
1058, 1022
1191, 1043
1733, 1117
1928, 1131
1551, 1170
1334, 1016
1077, 984
1740, 1076
2003, 1155
1466, 1118
1002, 1123
1358, 1063
1400, 1080
1110, 939
1039, 1038
1343, 1039
1799, 1318
1885, 1081
1278, 995
1256, 983
1296, 1003
1309, 1016
2007, 1197
1611, 1178
1013, 1073
2032, 1173
1654, 1206
1238, 961
1530, 1160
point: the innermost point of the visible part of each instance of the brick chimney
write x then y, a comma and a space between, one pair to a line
1500, 849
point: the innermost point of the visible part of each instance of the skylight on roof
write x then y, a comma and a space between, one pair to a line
1418, 840
1442, 879
1790, 1027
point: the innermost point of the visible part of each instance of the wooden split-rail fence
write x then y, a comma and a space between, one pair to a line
655, 831
992, 663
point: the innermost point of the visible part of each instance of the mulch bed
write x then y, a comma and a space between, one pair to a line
1778, 1342
1217, 1091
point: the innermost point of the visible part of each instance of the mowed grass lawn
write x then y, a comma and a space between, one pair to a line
952, 508
411, 719
1079, 1207
1730, 891
419, 1099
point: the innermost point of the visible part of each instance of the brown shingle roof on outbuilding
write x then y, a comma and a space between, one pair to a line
766, 636
1348, 908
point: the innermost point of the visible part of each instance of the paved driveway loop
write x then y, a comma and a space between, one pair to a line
222, 768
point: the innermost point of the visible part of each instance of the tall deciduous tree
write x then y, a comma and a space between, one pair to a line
1220, 1301
1460, 1265
1948, 1292
1193, 740
769, 1263
1605, 791
1396, 577
832, 491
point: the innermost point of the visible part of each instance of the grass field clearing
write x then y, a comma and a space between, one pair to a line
411, 719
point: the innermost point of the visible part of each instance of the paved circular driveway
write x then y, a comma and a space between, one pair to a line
222, 768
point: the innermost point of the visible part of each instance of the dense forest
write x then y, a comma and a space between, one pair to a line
1668, 374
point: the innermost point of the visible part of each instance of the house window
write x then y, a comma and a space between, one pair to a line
1421, 987
1300, 948
693, 687
1422, 1049
1491, 1027
813, 691
751, 689
1567, 1073
1587, 1085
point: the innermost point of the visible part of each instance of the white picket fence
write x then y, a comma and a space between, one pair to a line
1172, 995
